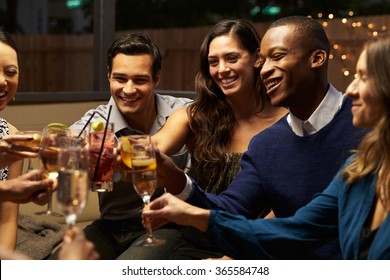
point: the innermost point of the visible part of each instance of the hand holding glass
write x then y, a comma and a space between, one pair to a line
143, 161
34, 143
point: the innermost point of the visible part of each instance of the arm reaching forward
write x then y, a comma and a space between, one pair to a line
175, 210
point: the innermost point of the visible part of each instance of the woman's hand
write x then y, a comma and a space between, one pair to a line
28, 187
11, 151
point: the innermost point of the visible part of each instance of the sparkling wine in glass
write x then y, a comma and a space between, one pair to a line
73, 182
144, 166
53, 140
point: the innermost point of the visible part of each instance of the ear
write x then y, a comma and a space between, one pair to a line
318, 58
257, 57
157, 80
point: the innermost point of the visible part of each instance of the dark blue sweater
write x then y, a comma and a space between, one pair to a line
284, 171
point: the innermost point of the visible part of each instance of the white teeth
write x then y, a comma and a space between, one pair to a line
2, 94
129, 99
272, 83
227, 81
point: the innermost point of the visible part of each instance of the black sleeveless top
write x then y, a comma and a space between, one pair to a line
367, 236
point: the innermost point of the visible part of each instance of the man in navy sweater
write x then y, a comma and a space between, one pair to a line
286, 164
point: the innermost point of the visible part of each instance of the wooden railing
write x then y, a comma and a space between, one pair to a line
65, 63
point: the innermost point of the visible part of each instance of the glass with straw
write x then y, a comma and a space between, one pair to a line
101, 151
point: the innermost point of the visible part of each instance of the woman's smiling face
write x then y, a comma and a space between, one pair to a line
366, 107
230, 65
9, 74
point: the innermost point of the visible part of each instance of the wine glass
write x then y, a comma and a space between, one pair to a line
72, 189
54, 138
143, 161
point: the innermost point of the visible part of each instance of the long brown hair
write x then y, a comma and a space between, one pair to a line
211, 118
373, 153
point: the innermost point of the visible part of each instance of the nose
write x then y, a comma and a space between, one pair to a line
129, 87
223, 67
352, 89
3, 81
266, 69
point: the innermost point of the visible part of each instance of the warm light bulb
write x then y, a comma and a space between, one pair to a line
324, 24
344, 57
330, 16
370, 25
375, 33
350, 13
331, 56
319, 15
335, 46
383, 28
346, 73
344, 20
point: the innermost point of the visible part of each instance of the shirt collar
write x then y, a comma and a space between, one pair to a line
163, 112
122, 127
323, 115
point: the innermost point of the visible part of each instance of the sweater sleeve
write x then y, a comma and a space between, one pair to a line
244, 196
280, 238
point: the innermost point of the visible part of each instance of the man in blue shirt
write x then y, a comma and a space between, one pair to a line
286, 164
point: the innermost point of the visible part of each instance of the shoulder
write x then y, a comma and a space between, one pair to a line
172, 101
279, 128
179, 115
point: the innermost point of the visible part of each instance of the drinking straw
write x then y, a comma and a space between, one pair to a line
102, 147
89, 120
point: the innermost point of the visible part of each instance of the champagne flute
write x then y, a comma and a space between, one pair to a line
143, 161
53, 139
73, 174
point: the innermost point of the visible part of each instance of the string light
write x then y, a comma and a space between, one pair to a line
346, 54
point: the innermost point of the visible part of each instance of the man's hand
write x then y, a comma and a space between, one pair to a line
175, 210
171, 177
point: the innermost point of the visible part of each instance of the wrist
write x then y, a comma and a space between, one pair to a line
201, 219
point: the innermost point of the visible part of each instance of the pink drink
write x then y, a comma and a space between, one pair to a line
102, 178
